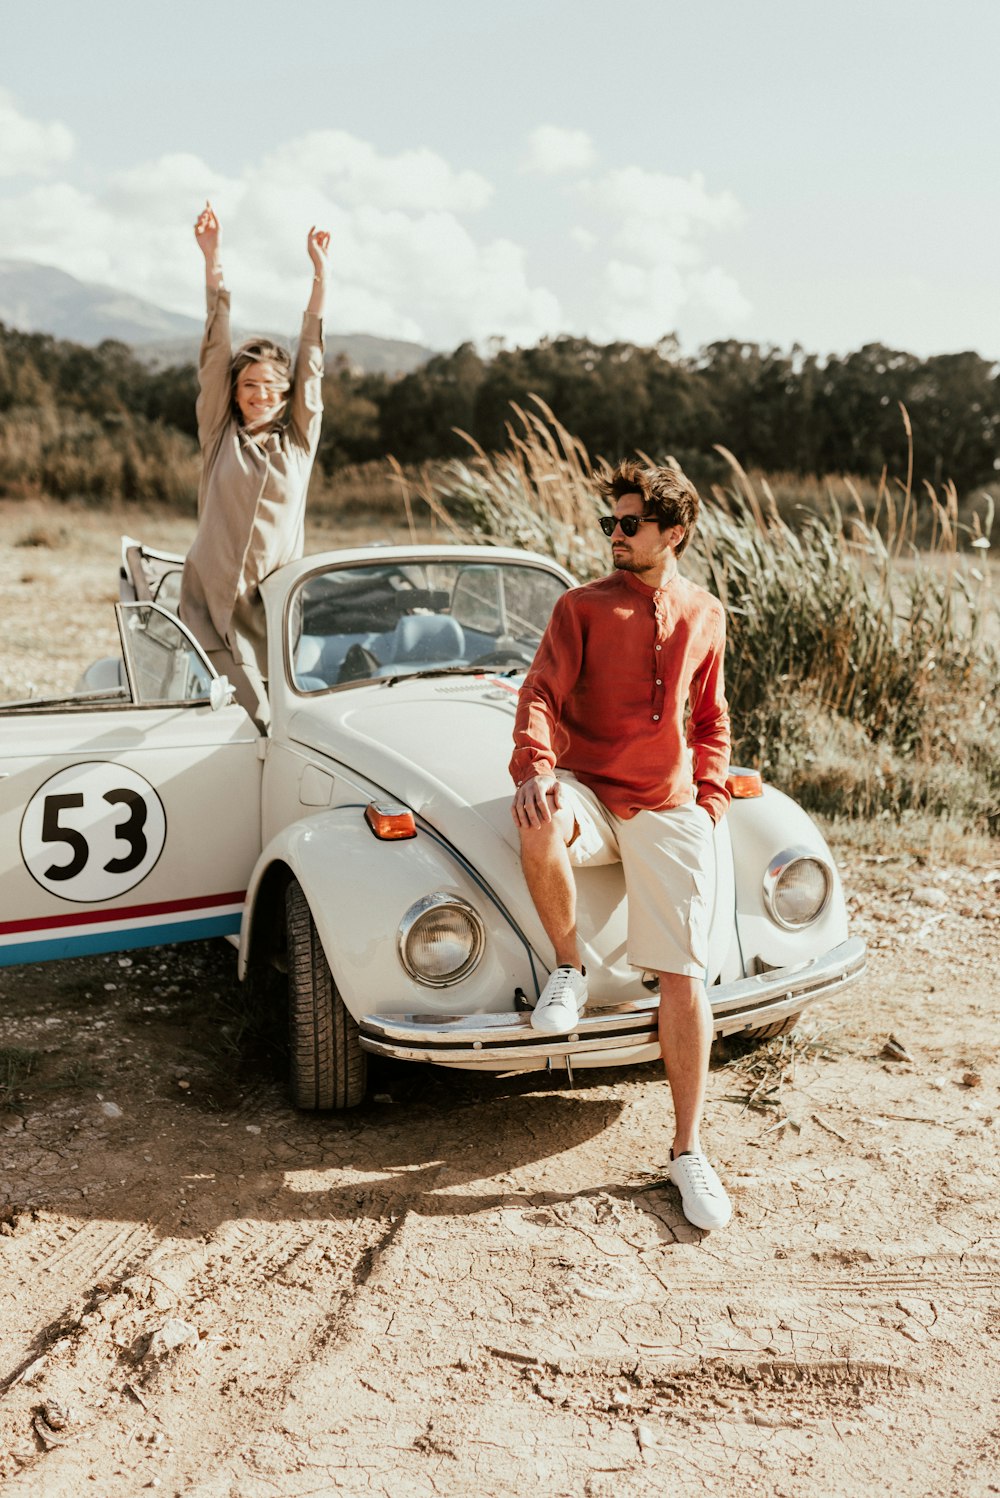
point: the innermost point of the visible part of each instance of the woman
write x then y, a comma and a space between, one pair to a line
259, 419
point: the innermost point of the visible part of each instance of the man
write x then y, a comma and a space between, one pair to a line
603, 774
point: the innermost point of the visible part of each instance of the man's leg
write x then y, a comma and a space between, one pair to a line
549, 877
685, 1042
669, 873
576, 823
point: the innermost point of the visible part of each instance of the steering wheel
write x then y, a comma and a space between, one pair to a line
507, 655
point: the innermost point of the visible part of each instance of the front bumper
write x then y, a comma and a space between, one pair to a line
607, 1036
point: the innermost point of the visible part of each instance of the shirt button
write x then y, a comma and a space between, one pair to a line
659, 683
657, 647
656, 717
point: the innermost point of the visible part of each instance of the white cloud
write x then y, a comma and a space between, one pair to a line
552, 149
649, 210
352, 172
719, 293
639, 303
654, 225
403, 262
56, 224
27, 147
172, 186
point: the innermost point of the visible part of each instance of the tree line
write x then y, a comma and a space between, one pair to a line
777, 410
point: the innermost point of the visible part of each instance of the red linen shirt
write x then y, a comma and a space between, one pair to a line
606, 694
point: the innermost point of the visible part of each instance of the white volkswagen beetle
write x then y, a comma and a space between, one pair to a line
365, 846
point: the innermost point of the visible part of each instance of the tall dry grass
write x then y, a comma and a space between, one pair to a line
862, 671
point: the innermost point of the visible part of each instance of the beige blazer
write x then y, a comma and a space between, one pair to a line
252, 495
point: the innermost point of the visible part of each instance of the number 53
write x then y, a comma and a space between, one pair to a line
130, 830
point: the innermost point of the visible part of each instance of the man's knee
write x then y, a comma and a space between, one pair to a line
681, 990
549, 838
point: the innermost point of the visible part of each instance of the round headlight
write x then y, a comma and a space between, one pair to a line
440, 940
797, 888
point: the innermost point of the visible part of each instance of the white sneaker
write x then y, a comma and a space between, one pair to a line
703, 1198
560, 1002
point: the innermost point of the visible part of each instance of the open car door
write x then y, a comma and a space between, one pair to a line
129, 816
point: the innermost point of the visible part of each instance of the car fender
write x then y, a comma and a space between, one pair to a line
762, 827
359, 888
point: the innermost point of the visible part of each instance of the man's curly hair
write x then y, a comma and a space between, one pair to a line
668, 495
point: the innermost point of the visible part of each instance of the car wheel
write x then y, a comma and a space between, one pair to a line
328, 1066
770, 1032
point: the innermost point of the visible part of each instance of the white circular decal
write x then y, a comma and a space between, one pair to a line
92, 832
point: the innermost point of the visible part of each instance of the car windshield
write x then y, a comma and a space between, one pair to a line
391, 619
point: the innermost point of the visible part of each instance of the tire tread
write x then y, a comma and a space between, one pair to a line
328, 1066
772, 1031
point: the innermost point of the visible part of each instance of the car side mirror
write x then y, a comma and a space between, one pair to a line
221, 692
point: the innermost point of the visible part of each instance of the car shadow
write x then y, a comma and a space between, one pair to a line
170, 1132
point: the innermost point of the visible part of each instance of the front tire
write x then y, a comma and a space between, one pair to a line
328, 1067
772, 1031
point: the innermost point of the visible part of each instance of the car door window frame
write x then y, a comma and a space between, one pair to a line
135, 695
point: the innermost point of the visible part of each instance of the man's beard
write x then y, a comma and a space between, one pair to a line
623, 561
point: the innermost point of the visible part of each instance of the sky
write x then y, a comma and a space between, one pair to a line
780, 172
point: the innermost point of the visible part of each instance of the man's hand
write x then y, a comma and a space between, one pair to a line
208, 233
536, 800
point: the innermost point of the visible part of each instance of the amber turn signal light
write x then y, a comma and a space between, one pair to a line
743, 785
389, 821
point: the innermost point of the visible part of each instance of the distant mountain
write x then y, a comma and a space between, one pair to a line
41, 299
362, 351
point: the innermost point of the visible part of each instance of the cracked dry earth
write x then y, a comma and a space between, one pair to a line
485, 1285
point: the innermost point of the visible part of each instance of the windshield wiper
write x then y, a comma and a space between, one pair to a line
391, 681
35, 704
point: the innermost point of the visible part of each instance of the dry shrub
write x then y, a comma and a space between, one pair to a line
861, 672
537, 494
43, 535
66, 455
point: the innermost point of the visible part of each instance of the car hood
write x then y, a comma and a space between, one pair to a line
441, 745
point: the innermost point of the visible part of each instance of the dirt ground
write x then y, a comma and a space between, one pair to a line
483, 1285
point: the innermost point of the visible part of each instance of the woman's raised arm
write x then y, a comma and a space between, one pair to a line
305, 406
208, 235
318, 245
214, 380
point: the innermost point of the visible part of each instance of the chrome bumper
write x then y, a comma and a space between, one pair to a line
486, 1039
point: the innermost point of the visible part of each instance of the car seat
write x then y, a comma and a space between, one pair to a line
428, 637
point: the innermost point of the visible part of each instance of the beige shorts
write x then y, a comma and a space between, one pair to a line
668, 860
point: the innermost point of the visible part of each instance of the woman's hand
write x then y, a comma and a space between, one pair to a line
208, 235
207, 232
318, 244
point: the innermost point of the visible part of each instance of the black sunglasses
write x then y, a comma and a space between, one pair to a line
629, 523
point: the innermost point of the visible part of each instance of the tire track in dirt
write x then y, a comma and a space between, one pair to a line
297, 1280
536, 1351
91, 1251
961, 1286
57, 1268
